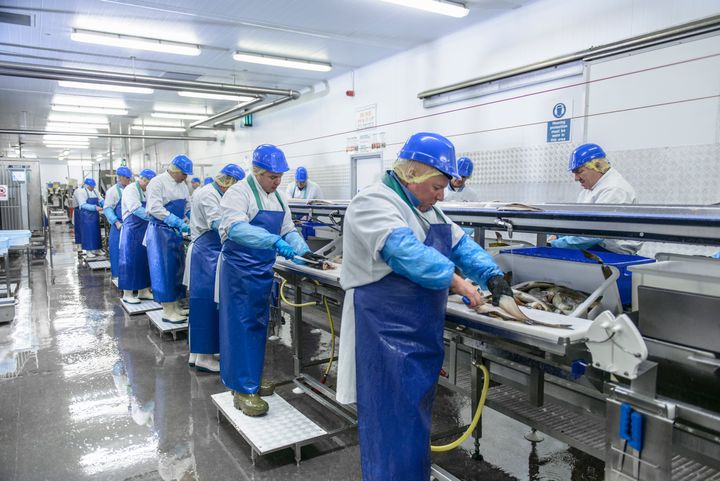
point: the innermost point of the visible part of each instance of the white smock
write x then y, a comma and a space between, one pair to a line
112, 196
205, 202
467, 194
132, 199
612, 188
82, 194
311, 191
239, 205
161, 190
370, 218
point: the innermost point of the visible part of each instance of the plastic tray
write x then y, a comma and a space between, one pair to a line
16, 237
694, 277
621, 261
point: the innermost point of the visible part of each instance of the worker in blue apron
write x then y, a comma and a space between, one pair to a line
201, 262
90, 206
167, 196
133, 270
399, 258
256, 225
113, 213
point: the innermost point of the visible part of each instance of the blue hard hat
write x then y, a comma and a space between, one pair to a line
208, 180
147, 173
233, 171
584, 154
433, 150
301, 174
90, 182
183, 163
124, 171
270, 158
195, 179
465, 167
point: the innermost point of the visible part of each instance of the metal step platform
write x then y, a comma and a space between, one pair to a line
4, 290
282, 427
97, 265
164, 327
141, 308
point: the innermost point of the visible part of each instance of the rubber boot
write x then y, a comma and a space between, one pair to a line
191, 359
267, 388
180, 310
207, 363
250, 404
129, 298
169, 314
145, 294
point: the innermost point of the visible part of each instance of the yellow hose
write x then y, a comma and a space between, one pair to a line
282, 296
475, 420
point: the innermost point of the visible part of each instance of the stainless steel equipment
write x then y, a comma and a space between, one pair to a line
21, 203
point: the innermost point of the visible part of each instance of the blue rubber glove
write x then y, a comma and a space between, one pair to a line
140, 212
410, 258
101, 202
716, 255
187, 214
173, 221
185, 229
573, 242
110, 215
252, 236
296, 242
284, 249
215, 225
89, 207
474, 262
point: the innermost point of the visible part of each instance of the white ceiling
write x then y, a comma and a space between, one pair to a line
347, 33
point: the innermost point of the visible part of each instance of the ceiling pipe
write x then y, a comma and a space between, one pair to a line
698, 27
232, 110
259, 108
13, 69
111, 136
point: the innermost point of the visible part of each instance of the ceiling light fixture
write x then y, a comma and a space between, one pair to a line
88, 110
84, 129
130, 41
68, 138
297, 63
89, 101
176, 115
451, 9
105, 87
203, 95
78, 119
158, 128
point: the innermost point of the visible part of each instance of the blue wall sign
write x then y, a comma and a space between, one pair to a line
559, 110
558, 130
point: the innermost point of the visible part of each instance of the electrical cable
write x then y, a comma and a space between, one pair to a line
476, 418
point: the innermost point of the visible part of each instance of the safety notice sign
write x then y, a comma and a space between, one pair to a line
3, 192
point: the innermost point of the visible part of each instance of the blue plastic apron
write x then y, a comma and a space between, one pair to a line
133, 270
204, 315
77, 225
399, 353
246, 278
114, 237
165, 255
90, 224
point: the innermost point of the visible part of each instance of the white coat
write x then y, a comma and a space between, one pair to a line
311, 191
370, 218
112, 196
82, 194
612, 188
205, 210
161, 190
132, 199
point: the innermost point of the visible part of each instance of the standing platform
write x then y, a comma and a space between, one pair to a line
164, 327
282, 427
97, 265
140, 308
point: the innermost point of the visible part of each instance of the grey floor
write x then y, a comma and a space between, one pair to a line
88, 392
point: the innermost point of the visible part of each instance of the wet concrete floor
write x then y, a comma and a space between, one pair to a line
88, 392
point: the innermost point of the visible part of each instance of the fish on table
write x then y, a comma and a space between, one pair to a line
508, 310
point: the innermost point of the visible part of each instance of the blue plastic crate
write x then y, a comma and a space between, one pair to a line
620, 261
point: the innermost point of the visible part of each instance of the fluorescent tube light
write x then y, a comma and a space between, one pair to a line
89, 101
68, 138
158, 128
451, 9
130, 41
85, 129
282, 61
105, 87
175, 115
203, 95
80, 163
88, 110
78, 119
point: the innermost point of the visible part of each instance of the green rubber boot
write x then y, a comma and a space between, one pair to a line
267, 388
250, 404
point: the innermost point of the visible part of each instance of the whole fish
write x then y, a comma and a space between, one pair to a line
500, 313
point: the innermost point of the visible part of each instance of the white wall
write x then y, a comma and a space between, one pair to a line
507, 137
